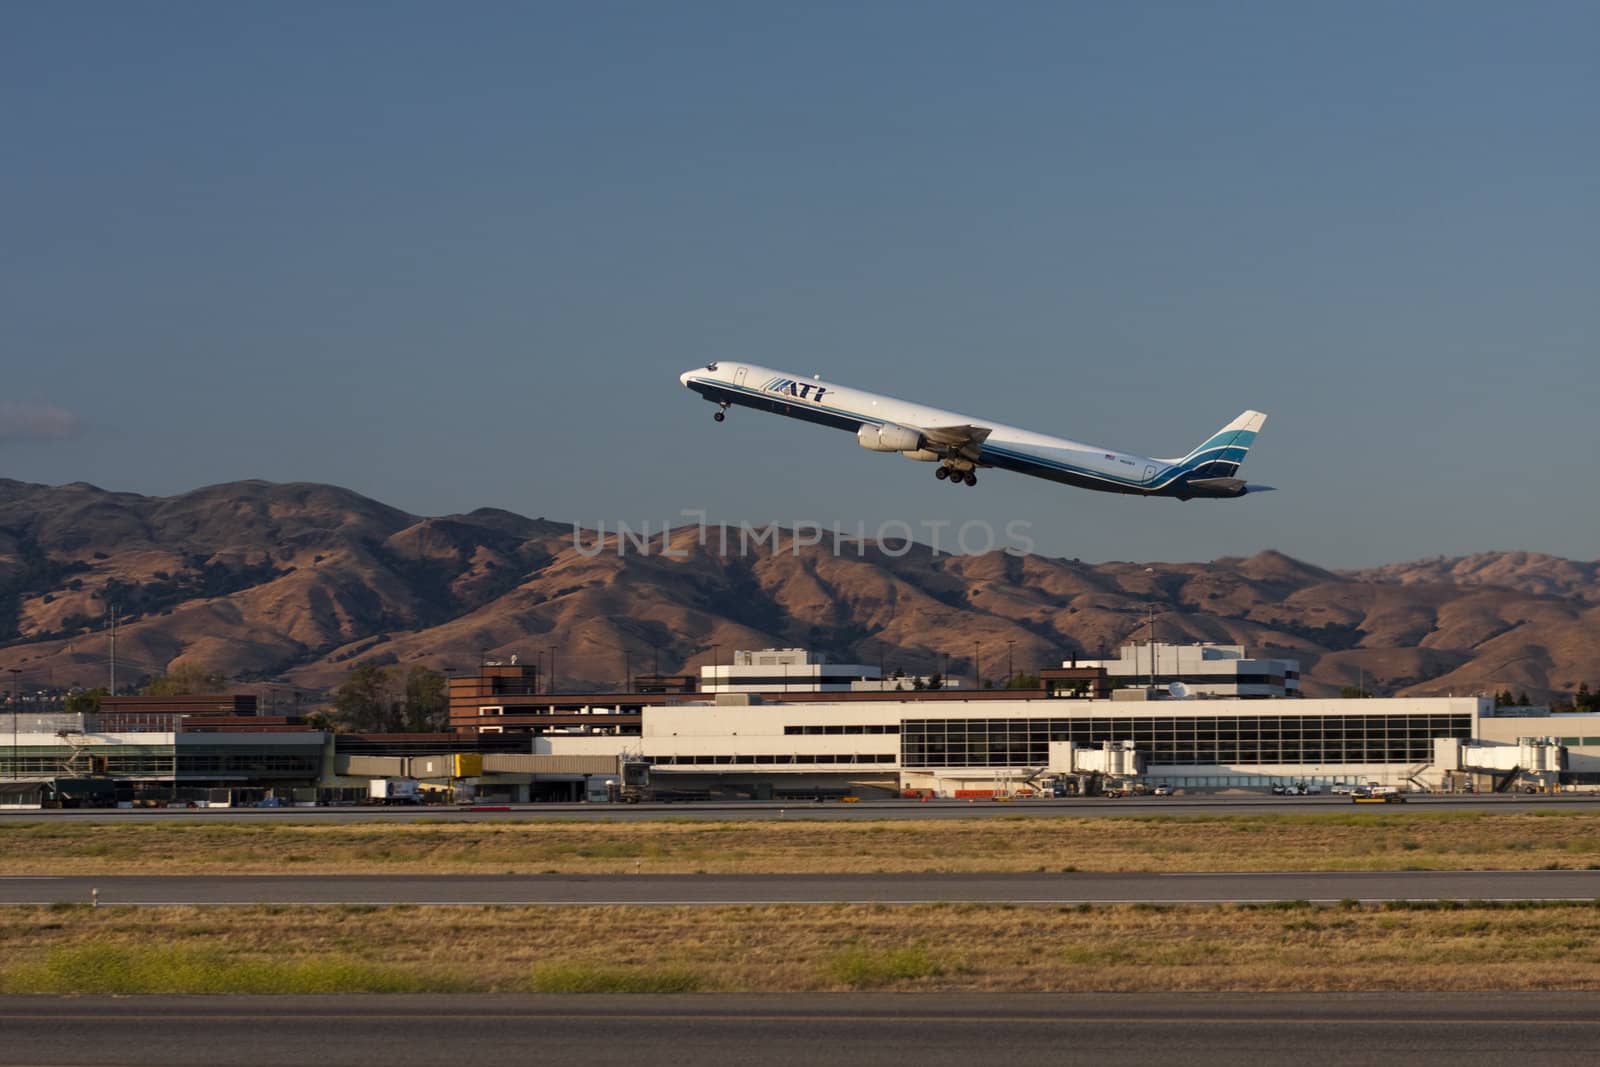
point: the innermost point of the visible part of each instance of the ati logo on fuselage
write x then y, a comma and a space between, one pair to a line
799, 390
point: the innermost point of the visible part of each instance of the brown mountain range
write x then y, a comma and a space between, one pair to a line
306, 581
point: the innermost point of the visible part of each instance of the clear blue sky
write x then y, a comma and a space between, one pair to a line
456, 255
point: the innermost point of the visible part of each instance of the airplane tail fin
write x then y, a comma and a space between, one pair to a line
1223, 451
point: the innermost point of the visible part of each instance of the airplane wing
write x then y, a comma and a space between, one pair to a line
966, 440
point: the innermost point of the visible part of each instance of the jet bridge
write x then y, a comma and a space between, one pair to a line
1116, 759
1536, 759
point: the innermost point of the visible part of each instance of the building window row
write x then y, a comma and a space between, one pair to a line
780, 680
854, 728
791, 758
492, 711
305, 766
1187, 678
32, 766
1261, 739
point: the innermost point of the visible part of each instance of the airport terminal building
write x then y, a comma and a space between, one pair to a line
947, 743
511, 742
958, 747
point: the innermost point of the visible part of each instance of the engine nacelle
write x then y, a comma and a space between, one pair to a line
889, 438
922, 455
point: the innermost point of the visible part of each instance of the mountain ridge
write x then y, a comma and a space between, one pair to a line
305, 581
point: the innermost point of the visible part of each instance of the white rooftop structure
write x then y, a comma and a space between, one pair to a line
1202, 670
783, 670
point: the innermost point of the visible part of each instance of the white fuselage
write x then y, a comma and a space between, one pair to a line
995, 444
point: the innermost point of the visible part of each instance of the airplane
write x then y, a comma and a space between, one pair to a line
961, 444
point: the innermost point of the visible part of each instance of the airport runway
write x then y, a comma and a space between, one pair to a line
646, 890
745, 811
929, 1030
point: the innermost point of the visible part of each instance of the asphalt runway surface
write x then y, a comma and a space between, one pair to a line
645, 890
746, 811
927, 1030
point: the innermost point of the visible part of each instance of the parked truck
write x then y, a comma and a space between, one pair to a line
394, 791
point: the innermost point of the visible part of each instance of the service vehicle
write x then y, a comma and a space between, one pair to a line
394, 791
635, 785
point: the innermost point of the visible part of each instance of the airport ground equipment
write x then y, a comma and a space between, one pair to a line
394, 791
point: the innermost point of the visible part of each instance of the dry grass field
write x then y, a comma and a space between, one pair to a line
75, 949
1357, 840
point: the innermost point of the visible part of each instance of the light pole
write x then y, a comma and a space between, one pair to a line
1151, 607
449, 702
714, 664
15, 711
977, 674
1010, 674
627, 671
1152, 610
552, 668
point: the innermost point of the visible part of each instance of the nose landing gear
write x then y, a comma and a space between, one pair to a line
721, 412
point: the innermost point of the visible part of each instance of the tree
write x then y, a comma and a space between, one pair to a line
1522, 699
426, 702
936, 681
364, 703
186, 679
374, 699
1351, 692
1022, 680
85, 700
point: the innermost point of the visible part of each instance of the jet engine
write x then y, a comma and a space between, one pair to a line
889, 438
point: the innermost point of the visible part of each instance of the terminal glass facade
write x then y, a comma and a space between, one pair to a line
119, 761
221, 761
1192, 740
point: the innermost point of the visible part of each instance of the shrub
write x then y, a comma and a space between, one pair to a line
861, 967
571, 977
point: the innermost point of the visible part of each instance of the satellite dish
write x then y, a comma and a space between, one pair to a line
513, 659
1179, 691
